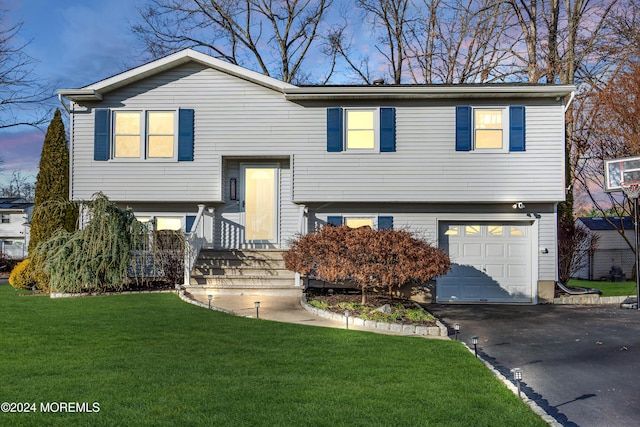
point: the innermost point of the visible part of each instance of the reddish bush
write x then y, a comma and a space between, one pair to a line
370, 259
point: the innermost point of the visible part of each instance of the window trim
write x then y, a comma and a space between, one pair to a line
376, 130
385, 136
4, 216
513, 126
505, 129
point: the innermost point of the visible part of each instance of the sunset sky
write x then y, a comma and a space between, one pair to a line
75, 43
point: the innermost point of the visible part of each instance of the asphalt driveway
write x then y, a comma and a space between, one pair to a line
580, 363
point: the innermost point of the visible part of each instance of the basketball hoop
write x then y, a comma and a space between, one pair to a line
631, 188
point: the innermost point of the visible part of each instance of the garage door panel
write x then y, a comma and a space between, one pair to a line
517, 250
517, 271
490, 263
496, 271
495, 250
472, 250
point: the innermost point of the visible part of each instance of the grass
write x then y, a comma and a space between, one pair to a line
151, 359
609, 289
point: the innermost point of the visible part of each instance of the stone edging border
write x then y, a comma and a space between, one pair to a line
439, 331
101, 294
530, 403
588, 300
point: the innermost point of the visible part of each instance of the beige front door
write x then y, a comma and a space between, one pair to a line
260, 203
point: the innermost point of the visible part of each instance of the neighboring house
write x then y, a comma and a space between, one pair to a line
612, 251
15, 216
247, 161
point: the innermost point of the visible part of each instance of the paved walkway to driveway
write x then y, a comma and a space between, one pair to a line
580, 363
281, 309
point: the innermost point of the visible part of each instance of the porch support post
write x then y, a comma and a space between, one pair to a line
301, 230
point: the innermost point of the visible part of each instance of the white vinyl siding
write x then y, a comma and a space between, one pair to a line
424, 168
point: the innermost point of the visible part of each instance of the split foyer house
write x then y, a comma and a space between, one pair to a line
246, 162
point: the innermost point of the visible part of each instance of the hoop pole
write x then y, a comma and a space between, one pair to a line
635, 212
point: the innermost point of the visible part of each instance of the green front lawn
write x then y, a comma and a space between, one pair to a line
152, 359
609, 289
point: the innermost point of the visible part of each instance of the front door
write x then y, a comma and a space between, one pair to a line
260, 203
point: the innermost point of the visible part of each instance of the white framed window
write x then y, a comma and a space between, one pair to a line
490, 129
144, 134
5, 218
361, 129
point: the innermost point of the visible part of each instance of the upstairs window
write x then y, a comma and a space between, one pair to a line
361, 129
158, 140
361, 126
161, 134
490, 129
126, 134
5, 218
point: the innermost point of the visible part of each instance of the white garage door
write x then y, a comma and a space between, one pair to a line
491, 262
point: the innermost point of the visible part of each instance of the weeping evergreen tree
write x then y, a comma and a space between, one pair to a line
50, 210
113, 252
95, 258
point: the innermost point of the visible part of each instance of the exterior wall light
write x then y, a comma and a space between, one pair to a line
233, 189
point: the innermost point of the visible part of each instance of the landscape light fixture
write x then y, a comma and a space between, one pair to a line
456, 328
517, 375
474, 340
346, 316
257, 306
177, 288
209, 297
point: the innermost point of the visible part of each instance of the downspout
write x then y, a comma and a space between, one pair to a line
571, 98
65, 106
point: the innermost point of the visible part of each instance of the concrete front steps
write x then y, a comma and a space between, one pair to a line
242, 272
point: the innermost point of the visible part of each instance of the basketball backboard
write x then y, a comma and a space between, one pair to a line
617, 171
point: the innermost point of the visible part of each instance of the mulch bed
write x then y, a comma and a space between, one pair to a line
373, 301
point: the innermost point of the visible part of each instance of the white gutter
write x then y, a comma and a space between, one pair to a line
426, 92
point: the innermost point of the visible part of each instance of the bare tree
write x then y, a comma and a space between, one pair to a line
18, 186
272, 37
433, 41
22, 96
461, 41
613, 130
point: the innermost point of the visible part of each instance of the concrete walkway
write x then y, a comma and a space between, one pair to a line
280, 309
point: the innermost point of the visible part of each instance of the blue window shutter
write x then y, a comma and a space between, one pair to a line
185, 134
334, 130
101, 134
334, 220
463, 128
385, 223
516, 128
387, 130
189, 220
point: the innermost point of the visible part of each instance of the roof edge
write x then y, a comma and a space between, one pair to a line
94, 92
425, 92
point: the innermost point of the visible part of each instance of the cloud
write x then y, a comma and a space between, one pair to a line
21, 152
